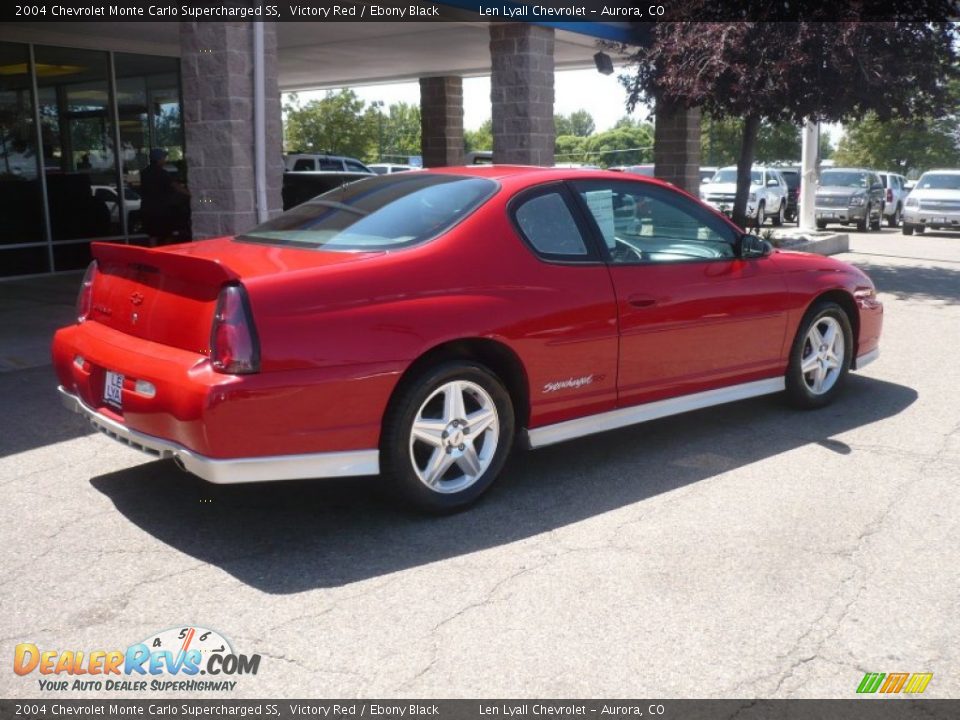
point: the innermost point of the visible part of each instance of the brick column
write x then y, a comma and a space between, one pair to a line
441, 121
521, 93
217, 71
676, 146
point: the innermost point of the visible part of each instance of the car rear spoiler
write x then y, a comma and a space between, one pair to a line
189, 268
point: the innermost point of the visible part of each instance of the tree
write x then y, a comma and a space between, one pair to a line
338, 123
899, 145
479, 139
720, 141
401, 130
579, 123
790, 71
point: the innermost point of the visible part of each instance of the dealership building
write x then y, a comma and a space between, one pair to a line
82, 104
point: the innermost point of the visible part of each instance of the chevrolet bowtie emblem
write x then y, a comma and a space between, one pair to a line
136, 298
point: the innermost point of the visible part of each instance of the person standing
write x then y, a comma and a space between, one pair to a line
164, 203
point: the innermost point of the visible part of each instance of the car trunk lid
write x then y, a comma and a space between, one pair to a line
169, 295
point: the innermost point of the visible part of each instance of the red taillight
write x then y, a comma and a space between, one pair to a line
889, 195
234, 347
85, 296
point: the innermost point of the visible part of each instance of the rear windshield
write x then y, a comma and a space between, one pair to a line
379, 213
844, 179
935, 181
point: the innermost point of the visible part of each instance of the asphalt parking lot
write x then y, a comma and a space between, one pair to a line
748, 550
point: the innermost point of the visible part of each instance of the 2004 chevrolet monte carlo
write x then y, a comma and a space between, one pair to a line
419, 325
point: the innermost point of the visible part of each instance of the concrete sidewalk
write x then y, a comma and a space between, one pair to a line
31, 310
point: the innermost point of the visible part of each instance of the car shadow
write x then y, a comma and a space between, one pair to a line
295, 536
935, 283
33, 414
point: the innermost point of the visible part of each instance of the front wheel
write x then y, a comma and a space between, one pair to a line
447, 436
761, 215
864, 225
820, 357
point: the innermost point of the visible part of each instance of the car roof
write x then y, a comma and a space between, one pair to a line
848, 169
534, 174
945, 171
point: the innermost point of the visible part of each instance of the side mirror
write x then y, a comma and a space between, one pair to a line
753, 247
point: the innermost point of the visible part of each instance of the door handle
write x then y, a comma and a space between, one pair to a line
641, 301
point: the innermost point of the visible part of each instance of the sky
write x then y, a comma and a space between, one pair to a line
601, 95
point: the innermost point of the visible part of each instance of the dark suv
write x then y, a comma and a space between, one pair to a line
792, 176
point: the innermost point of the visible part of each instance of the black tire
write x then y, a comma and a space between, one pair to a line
919, 229
761, 213
875, 225
906, 229
894, 220
821, 225
779, 217
864, 225
397, 457
798, 393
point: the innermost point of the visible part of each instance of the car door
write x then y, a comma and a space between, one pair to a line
570, 337
692, 314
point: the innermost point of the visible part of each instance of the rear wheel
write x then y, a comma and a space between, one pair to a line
821, 225
820, 357
780, 216
919, 229
907, 229
761, 215
875, 224
447, 436
894, 220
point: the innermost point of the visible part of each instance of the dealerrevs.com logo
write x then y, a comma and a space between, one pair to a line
182, 659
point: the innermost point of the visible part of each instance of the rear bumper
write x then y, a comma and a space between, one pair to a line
232, 470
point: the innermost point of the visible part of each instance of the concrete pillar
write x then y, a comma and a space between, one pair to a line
441, 121
676, 146
217, 74
521, 93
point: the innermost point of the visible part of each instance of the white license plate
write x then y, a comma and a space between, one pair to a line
938, 220
112, 389
827, 215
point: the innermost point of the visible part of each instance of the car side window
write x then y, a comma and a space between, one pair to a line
548, 225
356, 167
329, 164
303, 164
645, 223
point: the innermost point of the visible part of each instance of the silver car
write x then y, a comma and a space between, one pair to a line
850, 195
933, 203
895, 187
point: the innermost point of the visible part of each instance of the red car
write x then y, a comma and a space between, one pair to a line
420, 324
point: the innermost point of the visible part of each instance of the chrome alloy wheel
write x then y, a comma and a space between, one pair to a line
822, 358
454, 436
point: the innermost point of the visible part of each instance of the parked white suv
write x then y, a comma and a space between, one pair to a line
933, 203
894, 186
767, 199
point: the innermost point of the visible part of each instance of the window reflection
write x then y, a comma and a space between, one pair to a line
21, 201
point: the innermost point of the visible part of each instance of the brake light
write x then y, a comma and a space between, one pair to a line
889, 195
234, 347
85, 296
